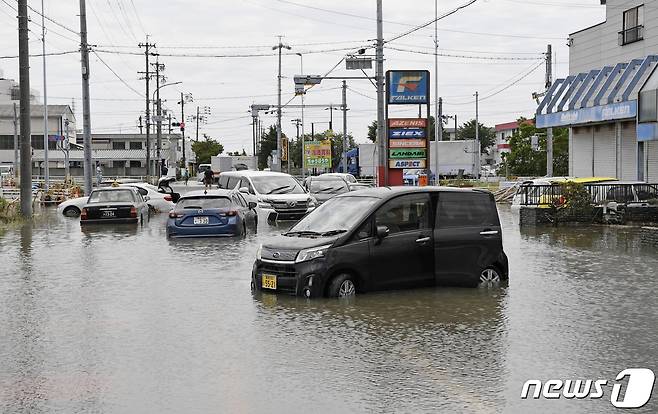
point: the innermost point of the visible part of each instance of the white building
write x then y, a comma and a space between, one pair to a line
612, 67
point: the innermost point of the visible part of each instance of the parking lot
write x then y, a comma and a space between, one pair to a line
118, 319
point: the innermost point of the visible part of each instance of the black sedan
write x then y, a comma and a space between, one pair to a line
115, 205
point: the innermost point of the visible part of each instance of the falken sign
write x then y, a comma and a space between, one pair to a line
610, 112
406, 133
407, 86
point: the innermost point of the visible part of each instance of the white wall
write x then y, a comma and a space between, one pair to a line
599, 46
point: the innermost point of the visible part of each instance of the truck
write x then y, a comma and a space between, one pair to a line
454, 156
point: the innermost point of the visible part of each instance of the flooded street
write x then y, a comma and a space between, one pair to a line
123, 320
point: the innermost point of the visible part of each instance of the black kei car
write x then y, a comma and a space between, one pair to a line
386, 238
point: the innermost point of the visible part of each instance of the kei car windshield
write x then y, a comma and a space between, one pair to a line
339, 213
329, 186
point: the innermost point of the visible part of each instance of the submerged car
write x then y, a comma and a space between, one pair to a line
385, 238
216, 213
115, 205
278, 196
323, 188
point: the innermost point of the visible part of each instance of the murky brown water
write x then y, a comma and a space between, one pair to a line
126, 321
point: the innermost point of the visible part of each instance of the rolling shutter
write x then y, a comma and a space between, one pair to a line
605, 151
628, 152
582, 152
651, 148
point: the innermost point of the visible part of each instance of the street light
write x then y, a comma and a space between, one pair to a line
301, 64
159, 123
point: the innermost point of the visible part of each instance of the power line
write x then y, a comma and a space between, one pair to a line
422, 26
139, 19
212, 55
464, 56
68, 52
116, 74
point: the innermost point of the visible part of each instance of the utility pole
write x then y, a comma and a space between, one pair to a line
477, 136
438, 135
344, 126
298, 123
278, 106
140, 126
158, 67
147, 76
438, 103
24, 79
169, 119
549, 131
86, 110
46, 165
381, 128
197, 122
16, 167
301, 64
67, 147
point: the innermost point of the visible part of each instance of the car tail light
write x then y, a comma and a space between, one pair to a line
174, 215
231, 213
133, 212
83, 214
167, 197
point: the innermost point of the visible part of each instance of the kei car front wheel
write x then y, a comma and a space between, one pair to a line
342, 286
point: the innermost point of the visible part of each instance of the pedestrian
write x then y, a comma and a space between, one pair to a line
207, 178
99, 174
186, 176
164, 170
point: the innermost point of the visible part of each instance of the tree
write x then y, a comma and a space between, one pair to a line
267, 145
487, 135
523, 160
206, 148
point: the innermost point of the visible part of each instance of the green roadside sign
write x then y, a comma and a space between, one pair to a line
397, 153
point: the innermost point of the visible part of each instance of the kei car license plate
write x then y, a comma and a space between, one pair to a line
201, 220
269, 282
108, 213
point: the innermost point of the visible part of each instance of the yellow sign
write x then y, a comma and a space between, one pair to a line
318, 154
284, 149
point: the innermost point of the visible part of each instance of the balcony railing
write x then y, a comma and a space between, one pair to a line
551, 195
631, 35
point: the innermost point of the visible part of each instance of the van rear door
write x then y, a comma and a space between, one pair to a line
467, 236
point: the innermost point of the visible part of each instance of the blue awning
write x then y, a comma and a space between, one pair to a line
605, 94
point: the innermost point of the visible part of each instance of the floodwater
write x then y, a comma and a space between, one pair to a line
118, 320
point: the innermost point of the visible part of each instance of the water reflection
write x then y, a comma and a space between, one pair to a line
117, 319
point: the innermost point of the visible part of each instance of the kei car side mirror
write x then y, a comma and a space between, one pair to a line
252, 205
244, 190
382, 232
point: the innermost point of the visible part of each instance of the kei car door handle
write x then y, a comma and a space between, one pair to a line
488, 233
423, 240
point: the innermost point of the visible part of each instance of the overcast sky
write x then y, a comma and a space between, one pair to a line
517, 30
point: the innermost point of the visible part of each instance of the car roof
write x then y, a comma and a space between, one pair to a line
122, 188
386, 192
211, 193
252, 173
326, 178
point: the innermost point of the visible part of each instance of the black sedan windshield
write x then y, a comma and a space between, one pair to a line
277, 184
340, 213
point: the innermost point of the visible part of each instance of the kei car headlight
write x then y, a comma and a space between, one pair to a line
312, 203
258, 252
312, 253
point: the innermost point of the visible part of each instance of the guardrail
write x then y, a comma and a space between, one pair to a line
547, 195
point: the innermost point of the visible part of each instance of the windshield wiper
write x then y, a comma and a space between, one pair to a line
192, 207
303, 233
334, 232
278, 189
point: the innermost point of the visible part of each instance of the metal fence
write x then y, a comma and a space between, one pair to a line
546, 195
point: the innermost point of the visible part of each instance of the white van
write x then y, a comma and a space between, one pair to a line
279, 196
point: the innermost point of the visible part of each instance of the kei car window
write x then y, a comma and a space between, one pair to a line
405, 213
223, 181
232, 182
466, 210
